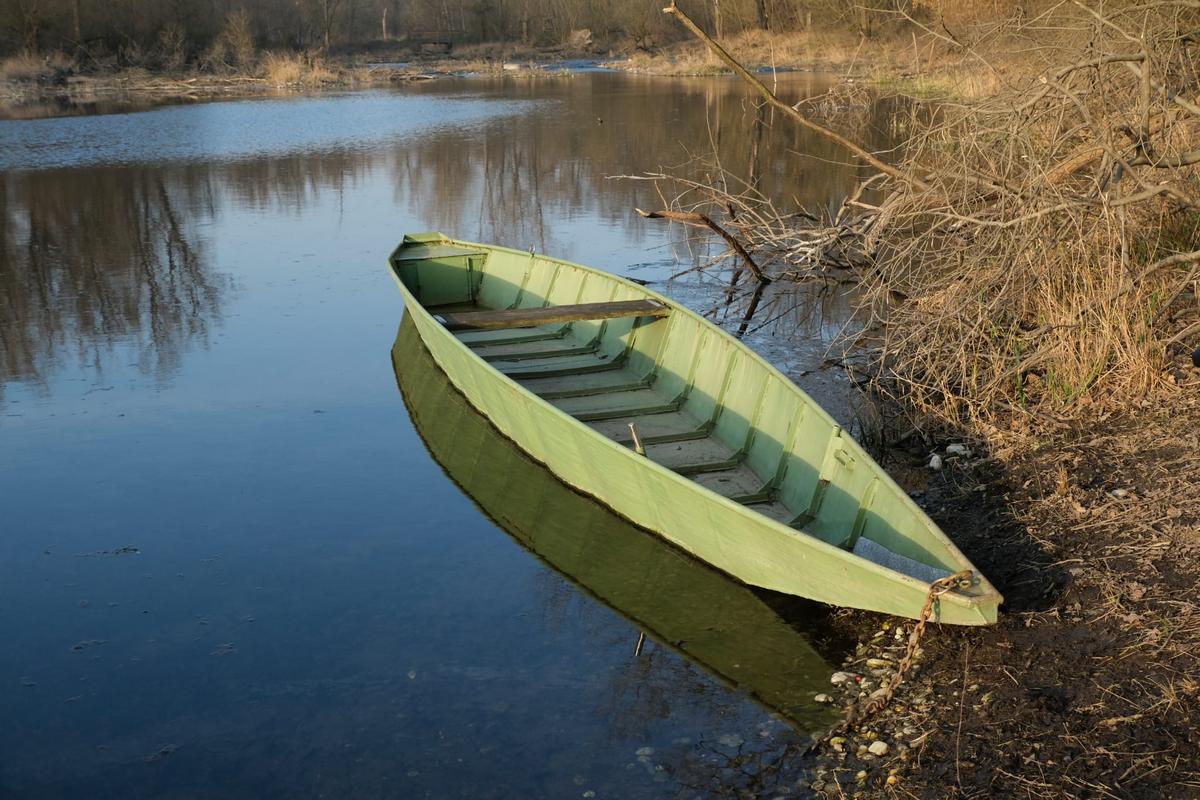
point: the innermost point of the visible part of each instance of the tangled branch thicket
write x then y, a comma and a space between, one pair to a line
1034, 249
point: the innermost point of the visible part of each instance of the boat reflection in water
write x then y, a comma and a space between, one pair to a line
722, 624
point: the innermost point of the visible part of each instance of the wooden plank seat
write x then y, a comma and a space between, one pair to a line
528, 317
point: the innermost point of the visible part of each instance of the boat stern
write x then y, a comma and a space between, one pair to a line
436, 270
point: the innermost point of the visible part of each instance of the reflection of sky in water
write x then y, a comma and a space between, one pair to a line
240, 129
195, 362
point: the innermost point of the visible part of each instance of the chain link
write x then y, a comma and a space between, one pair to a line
858, 714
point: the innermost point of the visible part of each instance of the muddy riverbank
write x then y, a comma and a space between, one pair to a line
1088, 685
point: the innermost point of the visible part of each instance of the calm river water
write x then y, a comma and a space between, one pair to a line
229, 565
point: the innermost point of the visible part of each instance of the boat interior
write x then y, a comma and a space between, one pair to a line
697, 402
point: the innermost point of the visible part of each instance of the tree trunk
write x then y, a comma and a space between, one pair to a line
31, 25
385, 33
717, 21
760, 9
328, 10
863, 18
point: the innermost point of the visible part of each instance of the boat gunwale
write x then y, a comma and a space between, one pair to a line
988, 595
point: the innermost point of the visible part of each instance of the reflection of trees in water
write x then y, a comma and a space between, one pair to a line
722, 763
294, 183
646, 690
516, 180
95, 258
105, 258
101, 258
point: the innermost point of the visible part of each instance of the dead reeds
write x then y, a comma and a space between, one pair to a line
1031, 251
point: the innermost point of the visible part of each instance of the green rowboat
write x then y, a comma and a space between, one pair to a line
678, 427
679, 602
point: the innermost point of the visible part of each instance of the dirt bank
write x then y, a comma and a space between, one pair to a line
1089, 686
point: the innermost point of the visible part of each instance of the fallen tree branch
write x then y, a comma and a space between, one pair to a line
694, 218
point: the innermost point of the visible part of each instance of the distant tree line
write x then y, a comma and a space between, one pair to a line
178, 31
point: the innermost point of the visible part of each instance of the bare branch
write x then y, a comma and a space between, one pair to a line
790, 111
703, 220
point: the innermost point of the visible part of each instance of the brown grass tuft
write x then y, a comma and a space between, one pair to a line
300, 69
32, 69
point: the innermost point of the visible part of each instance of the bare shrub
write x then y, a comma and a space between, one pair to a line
172, 46
239, 33
1030, 250
233, 48
1059, 223
32, 69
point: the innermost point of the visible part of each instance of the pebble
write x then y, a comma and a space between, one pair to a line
838, 743
841, 677
879, 663
823, 698
958, 450
935, 462
878, 748
645, 751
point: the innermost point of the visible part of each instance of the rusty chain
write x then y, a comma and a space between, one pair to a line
859, 714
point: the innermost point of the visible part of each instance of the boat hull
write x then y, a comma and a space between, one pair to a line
732, 537
720, 624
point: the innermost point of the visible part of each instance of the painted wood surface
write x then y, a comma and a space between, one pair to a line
782, 512
547, 315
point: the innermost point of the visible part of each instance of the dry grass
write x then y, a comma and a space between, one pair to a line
1033, 251
891, 63
1043, 263
836, 51
283, 69
32, 69
1028, 268
297, 69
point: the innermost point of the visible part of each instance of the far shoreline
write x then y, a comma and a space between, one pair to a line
30, 89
